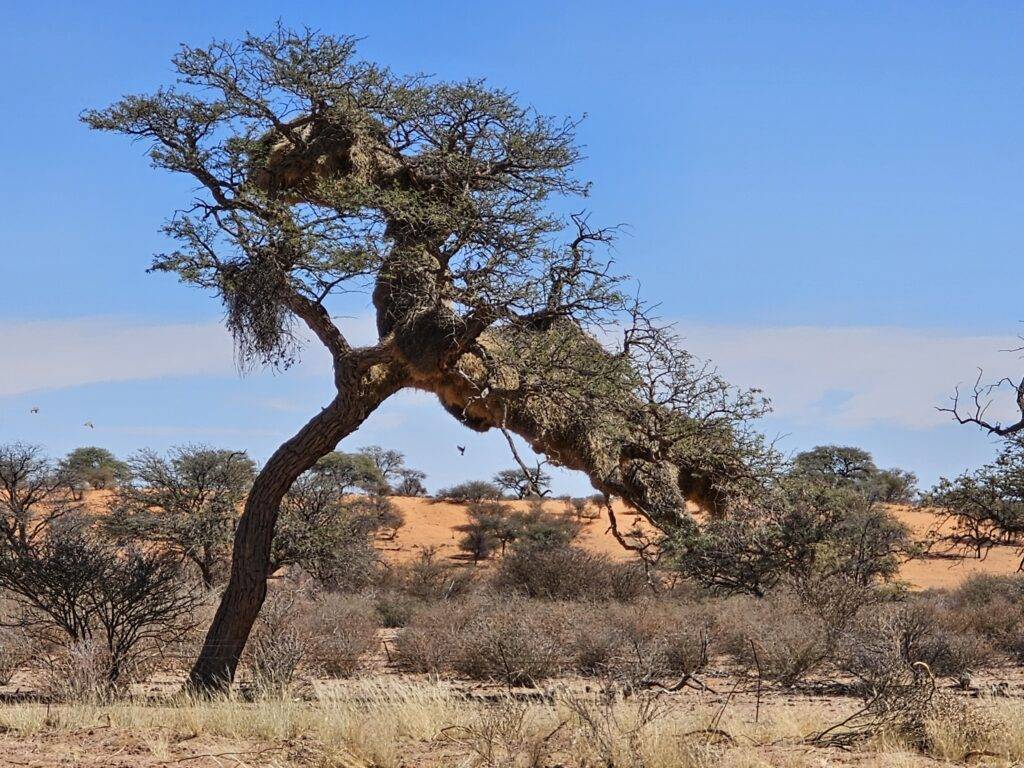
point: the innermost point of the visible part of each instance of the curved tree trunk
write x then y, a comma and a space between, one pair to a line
246, 590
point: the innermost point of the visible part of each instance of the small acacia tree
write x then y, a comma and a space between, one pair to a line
93, 467
522, 483
187, 502
840, 466
984, 508
320, 173
34, 495
350, 472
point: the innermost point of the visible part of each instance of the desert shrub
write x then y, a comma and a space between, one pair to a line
394, 607
777, 635
515, 641
345, 630
78, 672
899, 638
992, 607
923, 632
477, 540
634, 643
330, 535
583, 508
592, 643
16, 649
280, 644
429, 641
566, 573
427, 578
73, 588
802, 532
472, 490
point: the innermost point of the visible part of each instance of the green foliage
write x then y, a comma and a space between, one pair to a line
92, 467
188, 502
804, 532
985, 508
351, 471
472, 490
839, 466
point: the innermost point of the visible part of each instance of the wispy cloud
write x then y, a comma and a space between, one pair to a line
843, 377
855, 376
68, 353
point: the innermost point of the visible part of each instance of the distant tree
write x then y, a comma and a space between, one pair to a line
388, 461
807, 532
410, 483
34, 495
472, 490
188, 502
329, 534
838, 466
835, 465
984, 508
351, 471
92, 467
893, 486
523, 484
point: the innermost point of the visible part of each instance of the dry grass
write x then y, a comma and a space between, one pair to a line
387, 722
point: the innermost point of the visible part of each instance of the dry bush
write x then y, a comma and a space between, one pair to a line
345, 631
16, 649
992, 607
567, 573
489, 638
892, 641
408, 587
776, 635
428, 643
506, 735
592, 643
279, 645
662, 638
394, 607
514, 641
79, 673
427, 578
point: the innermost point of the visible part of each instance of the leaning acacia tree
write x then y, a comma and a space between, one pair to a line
319, 174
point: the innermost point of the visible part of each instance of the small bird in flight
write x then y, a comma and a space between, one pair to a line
462, 449
89, 424
35, 409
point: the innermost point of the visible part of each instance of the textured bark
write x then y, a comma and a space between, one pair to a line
359, 395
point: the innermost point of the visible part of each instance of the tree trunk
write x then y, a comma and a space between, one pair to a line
246, 590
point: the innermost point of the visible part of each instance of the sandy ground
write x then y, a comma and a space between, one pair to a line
433, 524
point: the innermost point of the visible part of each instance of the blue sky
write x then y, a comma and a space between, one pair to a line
826, 197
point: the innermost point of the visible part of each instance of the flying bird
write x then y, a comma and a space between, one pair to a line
89, 424
462, 449
35, 409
